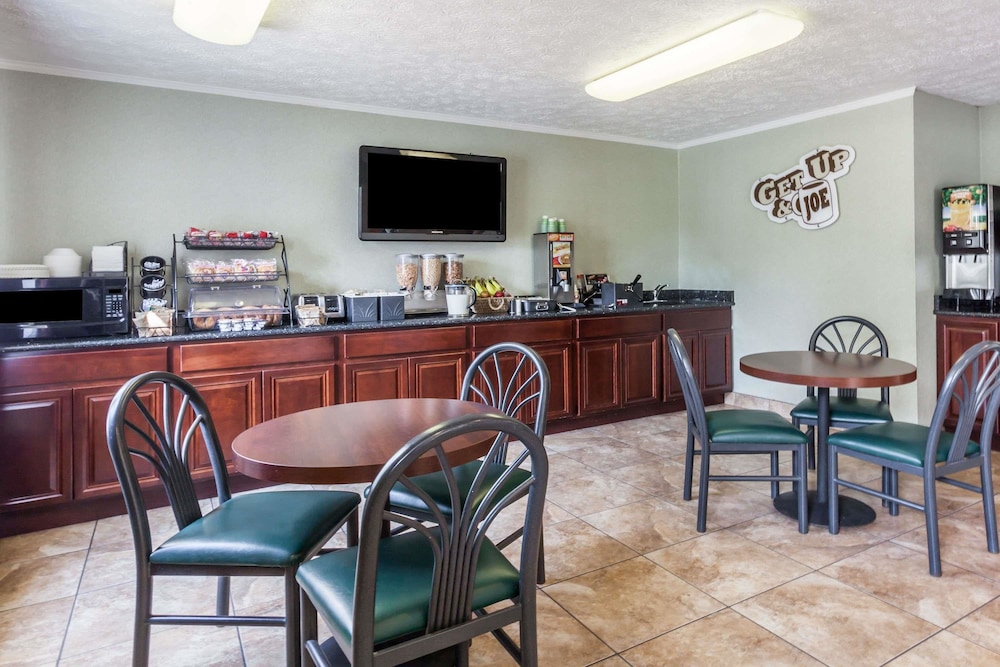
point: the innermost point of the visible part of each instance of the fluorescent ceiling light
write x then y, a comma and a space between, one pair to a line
227, 22
751, 34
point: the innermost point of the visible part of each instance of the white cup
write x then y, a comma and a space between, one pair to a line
460, 298
63, 263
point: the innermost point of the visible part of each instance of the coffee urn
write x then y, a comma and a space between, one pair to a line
971, 266
552, 261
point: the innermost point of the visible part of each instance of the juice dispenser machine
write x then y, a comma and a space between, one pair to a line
971, 269
552, 262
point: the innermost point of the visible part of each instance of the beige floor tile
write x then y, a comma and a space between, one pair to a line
631, 602
646, 525
90, 630
562, 640
28, 582
108, 568
265, 647
730, 503
950, 498
835, 623
982, 626
610, 455
818, 548
43, 543
728, 567
252, 592
613, 661
746, 643
662, 443
898, 575
583, 437
593, 492
962, 537
562, 467
573, 548
945, 648
173, 647
631, 429
32, 635
659, 476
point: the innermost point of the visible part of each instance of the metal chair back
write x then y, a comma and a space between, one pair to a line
847, 333
689, 385
972, 391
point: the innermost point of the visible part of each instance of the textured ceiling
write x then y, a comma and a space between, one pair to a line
524, 63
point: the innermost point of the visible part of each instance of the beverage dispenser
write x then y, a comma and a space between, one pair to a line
552, 261
971, 269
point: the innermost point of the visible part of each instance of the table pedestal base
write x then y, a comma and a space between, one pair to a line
853, 512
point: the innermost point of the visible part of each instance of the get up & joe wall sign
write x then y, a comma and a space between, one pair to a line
806, 193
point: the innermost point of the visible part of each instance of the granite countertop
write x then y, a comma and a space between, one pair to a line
949, 305
676, 299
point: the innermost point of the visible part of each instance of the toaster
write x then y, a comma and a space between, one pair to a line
522, 305
332, 305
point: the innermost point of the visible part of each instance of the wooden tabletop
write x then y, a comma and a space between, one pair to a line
828, 369
349, 443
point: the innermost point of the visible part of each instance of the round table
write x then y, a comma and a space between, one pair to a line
350, 442
823, 370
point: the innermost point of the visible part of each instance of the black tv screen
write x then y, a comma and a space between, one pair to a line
415, 195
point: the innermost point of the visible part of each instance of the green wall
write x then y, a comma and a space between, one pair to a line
788, 279
85, 163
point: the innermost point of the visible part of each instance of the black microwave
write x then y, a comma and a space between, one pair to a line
91, 305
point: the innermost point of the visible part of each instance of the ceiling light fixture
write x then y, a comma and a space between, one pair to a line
226, 22
751, 34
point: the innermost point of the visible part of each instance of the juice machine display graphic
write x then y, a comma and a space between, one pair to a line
969, 241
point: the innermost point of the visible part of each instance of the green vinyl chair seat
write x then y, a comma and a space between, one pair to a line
403, 585
900, 442
266, 529
436, 486
751, 426
844, 409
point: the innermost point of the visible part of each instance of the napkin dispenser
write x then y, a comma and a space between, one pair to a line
107, 258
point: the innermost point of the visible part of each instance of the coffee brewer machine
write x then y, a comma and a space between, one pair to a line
971, 266
552, 262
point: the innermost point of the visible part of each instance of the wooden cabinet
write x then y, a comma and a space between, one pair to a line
233, 400
36, 447
955, 335
553, 340
707, 335
414, 363
620, 362
288, 390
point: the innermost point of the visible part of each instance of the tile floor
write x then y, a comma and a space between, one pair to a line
630, 581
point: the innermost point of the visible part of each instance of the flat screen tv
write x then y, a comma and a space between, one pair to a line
416, 195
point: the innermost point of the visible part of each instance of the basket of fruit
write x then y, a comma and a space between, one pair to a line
491, 296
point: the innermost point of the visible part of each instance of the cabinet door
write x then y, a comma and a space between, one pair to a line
716, 360
234, 401
288, 390
955, 336
436, 375
672, 385
562, 393
640, 370
93, 472
372, 380
600, 375
35, 447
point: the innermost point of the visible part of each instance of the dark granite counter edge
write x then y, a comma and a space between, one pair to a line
695, 299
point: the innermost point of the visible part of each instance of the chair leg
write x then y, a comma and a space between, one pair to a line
833, 505
309, 631
989, 509
893, 476
811, 447
462, 654
540, 575
931, 519
774, 473
222, 597
352, 529
802, 487
703, 488
529, 630
688, 463
293, 631
143, 610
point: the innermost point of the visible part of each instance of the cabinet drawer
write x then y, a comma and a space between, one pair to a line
484, 335
196, 357
699, 318
24, 369
619, 325
403, 342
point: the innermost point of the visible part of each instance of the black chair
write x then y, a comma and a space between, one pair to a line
736, 432
972, 388
512, 378
258, 534
426, 591
844, 334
